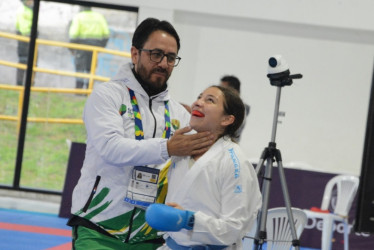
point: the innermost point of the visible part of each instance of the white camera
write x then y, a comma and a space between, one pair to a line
277, 65
279, 72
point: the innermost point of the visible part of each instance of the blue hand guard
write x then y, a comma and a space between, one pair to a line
165, 218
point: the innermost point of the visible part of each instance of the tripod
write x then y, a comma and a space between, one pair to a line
271, 154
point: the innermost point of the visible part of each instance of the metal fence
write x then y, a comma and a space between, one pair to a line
91, 76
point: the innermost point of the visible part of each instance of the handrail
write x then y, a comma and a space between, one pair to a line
91, 76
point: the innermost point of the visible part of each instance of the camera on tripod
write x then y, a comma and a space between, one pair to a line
279, 75
279, 72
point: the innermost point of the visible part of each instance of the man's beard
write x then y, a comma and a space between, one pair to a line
152, 86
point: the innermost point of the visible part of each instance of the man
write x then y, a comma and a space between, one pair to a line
234, 82
128, 121
23, 27
91, 28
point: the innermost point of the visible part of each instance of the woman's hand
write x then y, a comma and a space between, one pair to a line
174, 205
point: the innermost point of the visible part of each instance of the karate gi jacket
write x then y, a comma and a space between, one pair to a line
221, 187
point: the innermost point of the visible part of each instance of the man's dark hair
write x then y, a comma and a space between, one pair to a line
232, 81
147, 27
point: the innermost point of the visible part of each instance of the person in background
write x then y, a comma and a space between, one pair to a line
90, 28
23, 27
213, 197
133, 127
234, 82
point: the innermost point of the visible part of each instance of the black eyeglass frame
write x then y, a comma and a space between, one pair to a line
176, 61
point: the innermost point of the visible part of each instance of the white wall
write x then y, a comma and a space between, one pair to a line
331, 43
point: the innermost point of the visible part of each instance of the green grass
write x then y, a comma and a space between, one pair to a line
46, 151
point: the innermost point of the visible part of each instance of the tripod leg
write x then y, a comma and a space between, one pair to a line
261, 223
295, 241
264, 155
259, 166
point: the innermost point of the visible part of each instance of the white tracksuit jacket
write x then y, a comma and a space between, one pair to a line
112, 151
221, 187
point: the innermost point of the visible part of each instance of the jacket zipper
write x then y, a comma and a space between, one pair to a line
134, 210
130, 225
154, 118
92, 193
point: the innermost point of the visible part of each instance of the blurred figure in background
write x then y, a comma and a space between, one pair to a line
234, 83
91, 28
23, 27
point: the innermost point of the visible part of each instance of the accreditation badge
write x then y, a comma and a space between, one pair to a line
142, 189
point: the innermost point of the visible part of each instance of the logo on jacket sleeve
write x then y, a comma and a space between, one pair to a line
238, 189
122, 109
235, 162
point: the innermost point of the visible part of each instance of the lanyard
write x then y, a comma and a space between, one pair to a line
139, 133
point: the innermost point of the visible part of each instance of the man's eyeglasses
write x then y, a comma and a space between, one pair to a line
157, 56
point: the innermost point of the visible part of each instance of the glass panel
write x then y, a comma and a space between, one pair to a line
8, 146
56, 104
47, 143
12, 52
8, 135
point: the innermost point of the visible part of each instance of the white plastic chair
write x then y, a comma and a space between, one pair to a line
346, 186
278, 229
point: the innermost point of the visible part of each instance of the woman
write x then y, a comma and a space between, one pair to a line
213, 199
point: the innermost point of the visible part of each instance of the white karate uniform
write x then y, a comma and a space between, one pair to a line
221, 187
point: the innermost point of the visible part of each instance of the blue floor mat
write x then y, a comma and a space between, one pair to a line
11, 239
22, 230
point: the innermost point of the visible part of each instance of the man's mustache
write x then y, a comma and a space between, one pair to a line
160, 70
